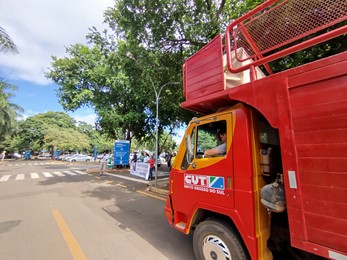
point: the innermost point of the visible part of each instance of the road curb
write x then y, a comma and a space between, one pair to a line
158, 190
161, 188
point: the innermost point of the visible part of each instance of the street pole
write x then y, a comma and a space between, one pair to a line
157, 96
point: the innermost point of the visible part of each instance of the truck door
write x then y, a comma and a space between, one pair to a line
205, 181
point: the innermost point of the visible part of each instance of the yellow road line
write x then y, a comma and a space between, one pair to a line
120, 185
151, 195
70, 240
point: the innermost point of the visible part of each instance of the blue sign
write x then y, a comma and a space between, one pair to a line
56, 154
121, 152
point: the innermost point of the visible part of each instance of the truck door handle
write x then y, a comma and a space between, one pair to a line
194, 165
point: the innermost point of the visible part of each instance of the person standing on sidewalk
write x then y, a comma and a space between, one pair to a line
103, 163
173, 157
151, 162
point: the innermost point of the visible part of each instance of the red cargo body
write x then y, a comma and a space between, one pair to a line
308, 107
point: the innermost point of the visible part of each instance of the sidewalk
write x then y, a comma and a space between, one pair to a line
162, 186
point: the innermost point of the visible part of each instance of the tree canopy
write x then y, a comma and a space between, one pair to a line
143, 49
8, 110
56, 130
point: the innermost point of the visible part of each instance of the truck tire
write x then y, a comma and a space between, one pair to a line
215, 239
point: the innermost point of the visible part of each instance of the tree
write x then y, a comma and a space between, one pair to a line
166, 141
159, 36
50, 130
120, 90
66, 139
185, 26
8, 110
175, 26
6, 43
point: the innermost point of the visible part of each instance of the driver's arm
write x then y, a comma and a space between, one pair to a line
211, 152
221, 149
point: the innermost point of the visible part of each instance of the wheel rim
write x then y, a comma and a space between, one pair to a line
214, 248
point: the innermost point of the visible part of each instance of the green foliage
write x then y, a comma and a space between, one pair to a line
66, 139
206, 141
46, 131
173, 26
319, 51
166, 143
122, 88
8, 111
143, 49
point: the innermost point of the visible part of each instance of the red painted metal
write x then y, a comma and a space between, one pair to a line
203, 72
308, 106
276, 24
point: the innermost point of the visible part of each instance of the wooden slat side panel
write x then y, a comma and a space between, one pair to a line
322, 150
321, 123
331, 136
319, 117
204, 71
201, 83
327, 165
203, 91
329, 225
326, 223
333, 179
322, 193
329, 209
330, 240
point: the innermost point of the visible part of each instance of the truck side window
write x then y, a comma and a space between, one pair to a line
211, 139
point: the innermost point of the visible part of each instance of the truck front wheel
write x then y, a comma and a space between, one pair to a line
214, 239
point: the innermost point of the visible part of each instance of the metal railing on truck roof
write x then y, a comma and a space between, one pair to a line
272, 30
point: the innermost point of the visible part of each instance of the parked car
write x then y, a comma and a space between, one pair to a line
13, 156
65, 156
79, 158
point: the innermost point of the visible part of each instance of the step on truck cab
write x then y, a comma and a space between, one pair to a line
277, 187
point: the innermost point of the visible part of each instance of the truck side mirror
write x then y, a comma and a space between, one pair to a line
189, 153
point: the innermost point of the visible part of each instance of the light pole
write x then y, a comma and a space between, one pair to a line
157, 97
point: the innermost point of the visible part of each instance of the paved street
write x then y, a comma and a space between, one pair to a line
52, 210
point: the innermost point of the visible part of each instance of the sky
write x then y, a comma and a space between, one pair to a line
40, 29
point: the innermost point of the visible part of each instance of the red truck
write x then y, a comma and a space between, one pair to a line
277, 188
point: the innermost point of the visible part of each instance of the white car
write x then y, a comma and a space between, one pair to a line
80, 158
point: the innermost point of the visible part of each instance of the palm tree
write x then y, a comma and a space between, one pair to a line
8, 111
6, 43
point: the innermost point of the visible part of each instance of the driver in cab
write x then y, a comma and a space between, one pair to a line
220, 149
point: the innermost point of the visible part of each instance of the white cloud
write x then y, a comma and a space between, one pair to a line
89, 119
28, 113
42, 28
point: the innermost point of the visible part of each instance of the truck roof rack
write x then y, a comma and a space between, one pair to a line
278, 28
273, 30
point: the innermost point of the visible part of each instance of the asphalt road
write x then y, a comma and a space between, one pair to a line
51, 210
